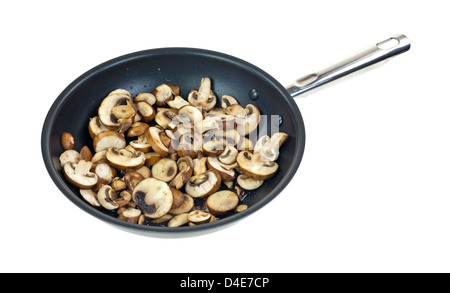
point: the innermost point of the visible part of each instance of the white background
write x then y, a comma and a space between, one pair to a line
371, 195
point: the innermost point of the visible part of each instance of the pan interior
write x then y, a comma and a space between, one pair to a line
142, 72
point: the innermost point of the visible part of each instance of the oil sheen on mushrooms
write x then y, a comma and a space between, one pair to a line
160, 158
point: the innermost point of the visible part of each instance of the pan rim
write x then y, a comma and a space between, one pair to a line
185, 230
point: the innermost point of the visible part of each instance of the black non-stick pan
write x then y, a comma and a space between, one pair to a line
143, 71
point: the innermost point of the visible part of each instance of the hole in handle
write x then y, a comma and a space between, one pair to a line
388, 44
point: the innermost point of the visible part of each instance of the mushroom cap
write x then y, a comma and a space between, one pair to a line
227, 101
149, 98
252, 165
222, 202
124, 159
109, 139
79, 174
96, 126
200, 186
146, 111
153, 197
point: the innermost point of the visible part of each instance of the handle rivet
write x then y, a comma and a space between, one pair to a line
253, 94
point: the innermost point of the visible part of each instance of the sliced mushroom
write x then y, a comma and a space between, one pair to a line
213, 147
85, 153
109, 139
250, 121
269, 147
252, 165
145, 172
130, 215
186, 205
105, 172
248, 183
67, 141
90, 196
202, 185
118, 184
106, 197
69, 156
141, 144
177, 103
229, 155
146, 111
152, 158
153, 197
200, 165
145, 97
154, 137
227, 101
164, 117
185, 162
181, 178
117, 110
132, 179
178, 198
79, 174
199, 217
162, 219
193, 113
137, 129
96, 126
165, 169
101, 155
178, 220
165, 92
124, 159
222, 202
241, 208
226, 171
204, 97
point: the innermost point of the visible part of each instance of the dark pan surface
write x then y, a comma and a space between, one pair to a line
142, 72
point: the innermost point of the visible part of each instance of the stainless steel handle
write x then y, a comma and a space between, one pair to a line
374, 54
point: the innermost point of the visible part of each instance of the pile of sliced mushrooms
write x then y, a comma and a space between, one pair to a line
161, 159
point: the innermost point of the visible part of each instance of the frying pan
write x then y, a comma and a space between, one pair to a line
143, 71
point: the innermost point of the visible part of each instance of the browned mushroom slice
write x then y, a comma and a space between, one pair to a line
250, 121
193, 113
248, 183
204, 97
146, 111
164, 117
69, 156
199, 217
117, 111
90, 196
141, 144
85, 153
145, 97
137, 129
154, 137
178, 220
145, 172
153, 197
109, 139
152, 158
107, 197
79, 174
132, 179
124, 159
213, 147
202, 185
165, 92
96, 126
185, 206
252, 165
165, 169
269, 147
200, 165
181, 178
226, 171
222, 202
241, 208
130, 215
